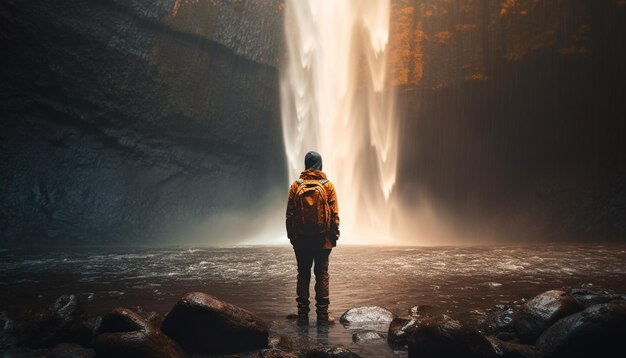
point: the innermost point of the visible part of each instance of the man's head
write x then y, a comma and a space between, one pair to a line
313, 160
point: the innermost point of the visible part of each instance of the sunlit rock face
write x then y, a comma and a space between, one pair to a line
127, 121
510, 111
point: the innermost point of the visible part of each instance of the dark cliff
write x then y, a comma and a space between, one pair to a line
514, 115
132, 121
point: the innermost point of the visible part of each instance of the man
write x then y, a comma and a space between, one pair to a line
313, 229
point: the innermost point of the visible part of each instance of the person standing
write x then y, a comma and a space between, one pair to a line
312, 222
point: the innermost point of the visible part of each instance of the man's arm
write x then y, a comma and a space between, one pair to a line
334, 212
290, 212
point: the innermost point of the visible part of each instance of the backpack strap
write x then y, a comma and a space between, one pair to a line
323, 181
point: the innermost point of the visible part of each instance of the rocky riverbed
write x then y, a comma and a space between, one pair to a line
484, 287
582, 322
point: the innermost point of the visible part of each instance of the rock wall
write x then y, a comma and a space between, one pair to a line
131, 121
514, 115
126, 121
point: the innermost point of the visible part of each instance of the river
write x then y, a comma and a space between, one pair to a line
453, 280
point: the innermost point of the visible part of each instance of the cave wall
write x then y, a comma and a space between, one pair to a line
513, 115
125, 122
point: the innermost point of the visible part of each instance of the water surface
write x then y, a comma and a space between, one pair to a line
453, 280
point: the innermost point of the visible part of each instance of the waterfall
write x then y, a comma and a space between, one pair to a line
336, 100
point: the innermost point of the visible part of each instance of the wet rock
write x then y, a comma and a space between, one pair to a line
7, 327
541, 312
203, 324
277, 353
443, 336
25, 352
92, 323
122, 320
124, 333
6, 323
589, 297
598, 331
499, 322
63, 321
511, 349
7, 340
367, 314
154, 318
366, 336
71, 350
336, 352
400, 329
506, 336
477, 317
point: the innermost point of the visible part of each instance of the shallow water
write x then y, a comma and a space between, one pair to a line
453, 280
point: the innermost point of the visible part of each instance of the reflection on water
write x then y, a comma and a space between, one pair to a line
451, 279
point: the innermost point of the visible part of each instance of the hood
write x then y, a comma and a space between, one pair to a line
312, 174
313, 160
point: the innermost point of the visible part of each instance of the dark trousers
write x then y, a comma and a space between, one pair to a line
305, 259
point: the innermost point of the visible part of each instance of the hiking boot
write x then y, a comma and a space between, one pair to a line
325, 318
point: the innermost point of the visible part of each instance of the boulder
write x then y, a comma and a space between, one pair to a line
588, 297
400, 329
367, 314
511, 349
598, 331
442, 336
124, 333
541, 312
366, 336
203, 324
62, 321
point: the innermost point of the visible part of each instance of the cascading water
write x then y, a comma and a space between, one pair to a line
336, 100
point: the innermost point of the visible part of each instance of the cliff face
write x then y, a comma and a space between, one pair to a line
126, 121
514, 114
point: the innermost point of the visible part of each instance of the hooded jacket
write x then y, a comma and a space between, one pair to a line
330, 240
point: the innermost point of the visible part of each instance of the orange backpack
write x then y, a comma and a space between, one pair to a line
312, 214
